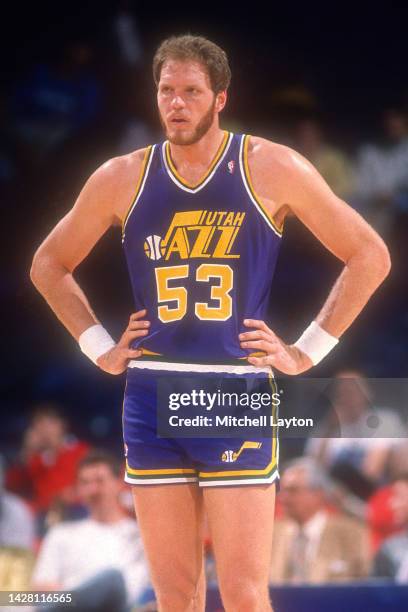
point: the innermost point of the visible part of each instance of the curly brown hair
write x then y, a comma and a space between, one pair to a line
197, 48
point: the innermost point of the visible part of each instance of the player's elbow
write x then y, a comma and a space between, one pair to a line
372, 259
383, 260
39, 269
380, 259
47, 269
35, 271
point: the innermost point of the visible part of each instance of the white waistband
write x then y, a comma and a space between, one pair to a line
197, 367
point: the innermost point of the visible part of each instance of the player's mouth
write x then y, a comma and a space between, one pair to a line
178, 121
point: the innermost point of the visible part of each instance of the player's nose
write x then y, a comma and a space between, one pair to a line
177, 102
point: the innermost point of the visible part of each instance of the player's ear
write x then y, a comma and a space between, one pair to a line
220, 100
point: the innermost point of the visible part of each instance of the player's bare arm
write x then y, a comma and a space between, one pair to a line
287, 183
103, 202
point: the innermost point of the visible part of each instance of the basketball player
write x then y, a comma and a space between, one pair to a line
202, 217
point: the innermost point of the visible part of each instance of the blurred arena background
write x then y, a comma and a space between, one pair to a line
76, 90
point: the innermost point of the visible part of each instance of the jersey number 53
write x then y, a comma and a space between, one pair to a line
204, 274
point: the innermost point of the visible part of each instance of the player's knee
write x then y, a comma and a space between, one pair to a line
245, 596
174, 599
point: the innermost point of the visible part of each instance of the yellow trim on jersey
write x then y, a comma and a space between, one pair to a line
274, 458
214, 162
146, 158
158, 472
123, 418
278, 228
147, 352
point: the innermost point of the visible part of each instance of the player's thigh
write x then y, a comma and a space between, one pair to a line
241, 527
170, 517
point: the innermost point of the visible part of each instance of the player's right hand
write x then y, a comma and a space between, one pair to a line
115, 361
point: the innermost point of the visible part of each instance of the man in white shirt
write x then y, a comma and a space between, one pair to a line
100, 558
311, 545
356, 433
17, 528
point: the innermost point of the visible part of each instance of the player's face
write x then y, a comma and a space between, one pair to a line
188, 107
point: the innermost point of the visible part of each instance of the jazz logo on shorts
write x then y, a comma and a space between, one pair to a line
229, 456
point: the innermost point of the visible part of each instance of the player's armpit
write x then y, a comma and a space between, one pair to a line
283, 177
347, 235
105, 197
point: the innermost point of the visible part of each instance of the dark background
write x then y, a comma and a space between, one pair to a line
350, 61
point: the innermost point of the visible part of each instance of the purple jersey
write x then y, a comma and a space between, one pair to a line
201, 258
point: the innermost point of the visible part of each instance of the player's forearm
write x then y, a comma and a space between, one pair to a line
361, 276
63, 294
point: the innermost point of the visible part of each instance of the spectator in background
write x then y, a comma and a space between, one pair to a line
16, 520
383, 509
332, 163
311, 545
99, 558
17, 536
354, 440
382, 173
391, 560
48, 463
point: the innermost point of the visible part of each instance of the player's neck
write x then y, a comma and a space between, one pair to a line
200, 153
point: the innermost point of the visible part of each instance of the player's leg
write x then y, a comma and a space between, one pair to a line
241, 526
170, 517
168, 502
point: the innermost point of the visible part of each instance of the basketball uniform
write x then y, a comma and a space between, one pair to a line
201, 259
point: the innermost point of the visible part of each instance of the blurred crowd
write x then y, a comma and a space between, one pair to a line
66, 517
67, 520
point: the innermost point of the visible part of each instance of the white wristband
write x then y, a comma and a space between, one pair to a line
316, 342
95, 341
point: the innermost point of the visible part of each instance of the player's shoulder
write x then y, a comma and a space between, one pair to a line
121, 168
112, 184
262, 151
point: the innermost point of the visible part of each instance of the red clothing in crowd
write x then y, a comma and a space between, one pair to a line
46, 475
381, 517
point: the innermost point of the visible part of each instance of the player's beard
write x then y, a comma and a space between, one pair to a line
200, 130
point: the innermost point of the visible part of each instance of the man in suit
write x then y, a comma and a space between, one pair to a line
311, 545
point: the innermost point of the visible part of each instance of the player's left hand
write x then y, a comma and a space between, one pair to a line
284, 357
